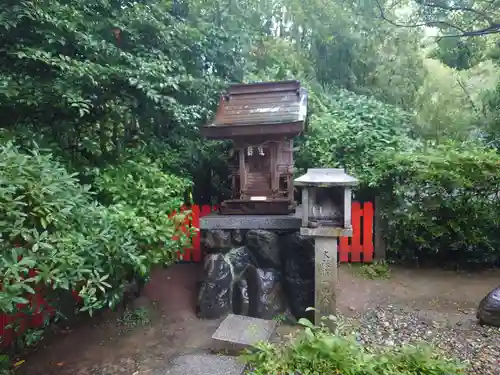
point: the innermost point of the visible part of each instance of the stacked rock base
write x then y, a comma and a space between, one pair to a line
257, 273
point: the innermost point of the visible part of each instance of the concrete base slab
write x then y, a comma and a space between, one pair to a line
267, 222
205, 364
238, 332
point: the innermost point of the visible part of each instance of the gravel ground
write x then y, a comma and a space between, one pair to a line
460, 336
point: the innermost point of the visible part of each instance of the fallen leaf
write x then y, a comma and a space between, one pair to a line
19, 363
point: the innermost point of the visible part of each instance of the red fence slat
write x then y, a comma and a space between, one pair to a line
356, 247
344, 249
195, 222
368, 232
186, 229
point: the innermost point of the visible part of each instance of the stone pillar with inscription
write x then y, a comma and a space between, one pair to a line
325, 284
326, 216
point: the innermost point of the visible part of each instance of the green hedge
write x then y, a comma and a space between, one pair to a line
143, 196
354, 132
51, 223
442, 205
441, 201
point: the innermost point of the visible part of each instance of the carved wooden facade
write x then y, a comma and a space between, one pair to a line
262, 120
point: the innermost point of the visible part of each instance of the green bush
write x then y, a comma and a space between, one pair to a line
354, 132
442, 204
39, 207
142, 196
51, 223
317, 351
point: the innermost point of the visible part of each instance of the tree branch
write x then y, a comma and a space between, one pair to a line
492, 28
450, 8
466, 92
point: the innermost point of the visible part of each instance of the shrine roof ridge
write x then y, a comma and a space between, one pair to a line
259, 109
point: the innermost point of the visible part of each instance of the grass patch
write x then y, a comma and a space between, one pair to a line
319, 351
280, 319
378, 270
6, 367
134, 318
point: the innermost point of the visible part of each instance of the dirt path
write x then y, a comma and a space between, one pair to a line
114, 345
117, 344
438, 291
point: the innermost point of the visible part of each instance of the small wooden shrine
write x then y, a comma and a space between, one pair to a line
261, 119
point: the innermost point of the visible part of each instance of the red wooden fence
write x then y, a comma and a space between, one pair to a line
358, 248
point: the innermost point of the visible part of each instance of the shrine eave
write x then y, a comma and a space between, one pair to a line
235, 131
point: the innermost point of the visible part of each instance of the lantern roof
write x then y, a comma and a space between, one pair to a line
326, 177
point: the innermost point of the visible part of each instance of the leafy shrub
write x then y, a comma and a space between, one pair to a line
143, 196
39, 204
442, 204
51, 223
317, 351
353, 132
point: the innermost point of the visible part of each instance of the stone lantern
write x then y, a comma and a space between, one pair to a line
326, 215
326, 201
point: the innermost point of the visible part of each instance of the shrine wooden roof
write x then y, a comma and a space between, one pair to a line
266, 108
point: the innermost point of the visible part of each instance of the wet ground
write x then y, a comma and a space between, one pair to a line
138, 344
162, 324
424, 306
436, 291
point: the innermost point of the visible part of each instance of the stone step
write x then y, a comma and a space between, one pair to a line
238, 332
205, 364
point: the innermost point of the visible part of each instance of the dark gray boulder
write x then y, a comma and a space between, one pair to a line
215, 294
297, 257
265, 293
216, 240
241, 302
224, 286
271, 298
264, 245
237, 237
240, 259
488, 311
